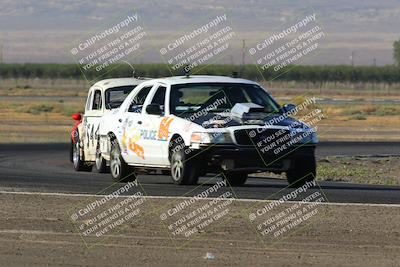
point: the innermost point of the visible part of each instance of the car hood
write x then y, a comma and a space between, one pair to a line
223, 120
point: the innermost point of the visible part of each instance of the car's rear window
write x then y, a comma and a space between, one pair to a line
116, 95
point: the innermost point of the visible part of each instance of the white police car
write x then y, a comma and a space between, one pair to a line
194, 125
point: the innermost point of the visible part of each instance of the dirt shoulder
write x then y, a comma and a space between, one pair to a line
360, 169
378, 170
36, 230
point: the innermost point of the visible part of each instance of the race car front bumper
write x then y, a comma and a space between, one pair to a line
250, 159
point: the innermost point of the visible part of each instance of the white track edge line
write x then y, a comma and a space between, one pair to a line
180, 197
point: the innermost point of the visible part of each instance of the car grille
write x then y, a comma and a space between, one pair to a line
245, 138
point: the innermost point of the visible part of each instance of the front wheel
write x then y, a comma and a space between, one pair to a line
120, 171
304, 171
184, 170
79, 163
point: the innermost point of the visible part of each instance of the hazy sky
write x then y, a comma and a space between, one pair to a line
45, 31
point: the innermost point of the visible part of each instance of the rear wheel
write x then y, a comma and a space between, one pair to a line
184, 169
304, 171
77, 159
100, 162
120, 171
236, 178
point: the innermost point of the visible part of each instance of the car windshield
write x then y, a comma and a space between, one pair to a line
116, 95
218, 97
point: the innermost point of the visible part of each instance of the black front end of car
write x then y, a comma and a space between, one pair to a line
250, 159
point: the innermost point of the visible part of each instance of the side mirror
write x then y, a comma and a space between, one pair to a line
153, 109
77, 117
289, 107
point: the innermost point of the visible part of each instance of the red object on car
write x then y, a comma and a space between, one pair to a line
78, 118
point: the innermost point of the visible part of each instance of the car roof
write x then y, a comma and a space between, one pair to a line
116, 82
201, 79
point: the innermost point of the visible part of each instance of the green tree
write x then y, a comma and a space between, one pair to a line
396, 52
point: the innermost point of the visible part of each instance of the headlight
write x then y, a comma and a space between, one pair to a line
210, 137
202, 138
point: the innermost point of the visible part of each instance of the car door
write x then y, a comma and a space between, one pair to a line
155, 128
131, 139
91, 122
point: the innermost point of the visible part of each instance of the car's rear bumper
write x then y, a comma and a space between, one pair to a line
250, 159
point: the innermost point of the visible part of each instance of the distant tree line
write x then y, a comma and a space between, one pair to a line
396, 52
338, 73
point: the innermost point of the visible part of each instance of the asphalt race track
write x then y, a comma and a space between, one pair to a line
46, 168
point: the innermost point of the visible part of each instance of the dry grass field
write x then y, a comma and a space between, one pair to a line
35, 110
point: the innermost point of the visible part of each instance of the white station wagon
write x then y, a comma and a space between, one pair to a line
103, 96
189, 126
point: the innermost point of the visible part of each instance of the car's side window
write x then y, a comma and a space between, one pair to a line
97, 101
159, 96
89, 101
138, 101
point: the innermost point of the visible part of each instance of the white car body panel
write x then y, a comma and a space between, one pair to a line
91, 120
147, 144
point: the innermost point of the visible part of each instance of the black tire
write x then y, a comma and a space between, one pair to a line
100, 163
304, 171
236, 178
71, 151
184, 169
120, 171
77, 159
